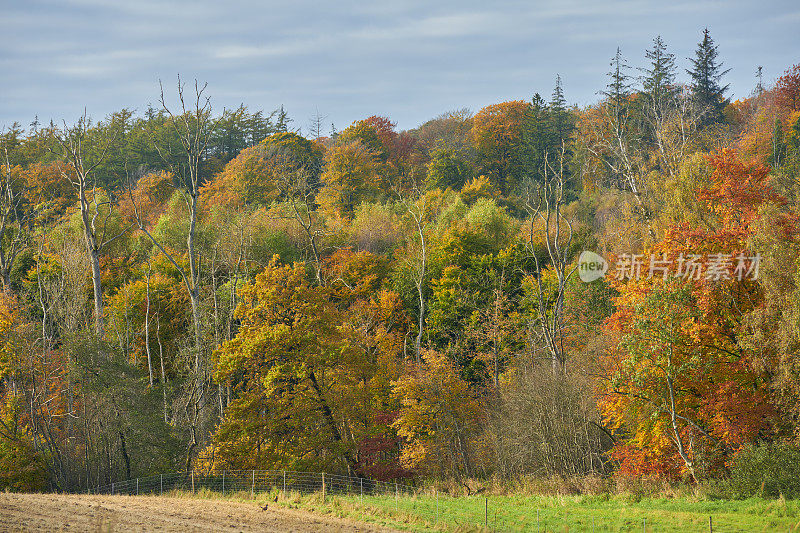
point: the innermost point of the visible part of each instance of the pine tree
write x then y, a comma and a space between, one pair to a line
659, 79
619, 89
560, 118
557, 101
536, 137
706, 74
282, 123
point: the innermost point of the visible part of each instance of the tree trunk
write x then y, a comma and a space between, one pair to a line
147, 327
329, 420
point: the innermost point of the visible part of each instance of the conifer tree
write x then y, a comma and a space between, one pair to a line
536, 137
706, 76
760, 78
618, 89
561, 120
658, 81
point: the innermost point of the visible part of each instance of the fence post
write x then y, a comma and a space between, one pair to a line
362, 490
137, 486
161, 485
436, 492
323, 487
396, 498
644, 525
253, 486
284, 484
223, 483
486, 511
710, 524
192, 481
112, 488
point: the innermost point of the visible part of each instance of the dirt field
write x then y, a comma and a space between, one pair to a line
57, 512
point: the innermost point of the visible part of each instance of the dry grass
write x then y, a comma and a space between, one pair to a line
175, 512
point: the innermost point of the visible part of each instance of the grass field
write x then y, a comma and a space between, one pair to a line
558, 513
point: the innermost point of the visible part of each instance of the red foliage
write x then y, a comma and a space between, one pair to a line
385, 130
787, 89
379, 455
721, 399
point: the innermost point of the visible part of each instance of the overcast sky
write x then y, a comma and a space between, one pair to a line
406, 59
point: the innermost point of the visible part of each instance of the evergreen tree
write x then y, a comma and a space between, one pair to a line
547, 127
619, 89
536, 137
282, 122
557, 101
658, 81
706, 74
560, 118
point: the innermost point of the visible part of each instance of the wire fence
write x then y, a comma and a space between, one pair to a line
435, 507
256, 481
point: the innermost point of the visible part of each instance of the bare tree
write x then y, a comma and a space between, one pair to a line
545, 205
415, 202
614, 142
676, 126
316, 123
193, 128
299, 190
76, 148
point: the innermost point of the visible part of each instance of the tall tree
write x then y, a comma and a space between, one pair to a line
545, 204
561, 121
658, 80
497, 135
16, 218
618, 90
707, 73
84, 154
193, 128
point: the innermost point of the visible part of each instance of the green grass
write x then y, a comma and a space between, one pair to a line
598, 513
556, 513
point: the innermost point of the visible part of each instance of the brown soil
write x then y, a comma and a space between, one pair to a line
69, 512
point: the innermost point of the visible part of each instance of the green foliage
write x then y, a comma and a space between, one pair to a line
446, 169
313, 258
118, 392
22, 467
768, 470
659, 76
706, 74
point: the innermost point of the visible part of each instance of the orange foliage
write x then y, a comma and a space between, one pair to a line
677, 349
787, 89
150, 196
248, 178
497, 134
49, 187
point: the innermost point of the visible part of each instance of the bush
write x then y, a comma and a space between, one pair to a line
767, 470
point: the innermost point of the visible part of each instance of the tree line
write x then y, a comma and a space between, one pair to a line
188, 290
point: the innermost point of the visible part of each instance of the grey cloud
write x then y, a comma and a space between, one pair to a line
408, 60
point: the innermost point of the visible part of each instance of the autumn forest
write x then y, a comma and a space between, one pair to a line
189, 289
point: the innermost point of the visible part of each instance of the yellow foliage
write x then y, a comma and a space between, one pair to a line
439, 419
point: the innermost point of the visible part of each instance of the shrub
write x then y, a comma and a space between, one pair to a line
767, 470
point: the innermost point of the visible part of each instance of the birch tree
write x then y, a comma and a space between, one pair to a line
84, 154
